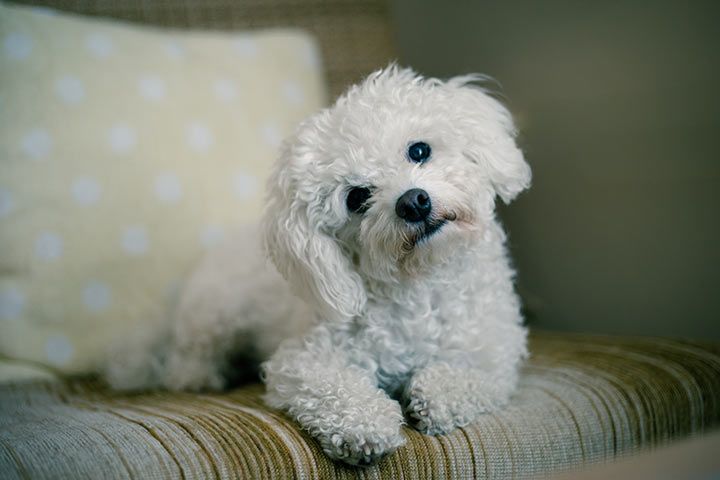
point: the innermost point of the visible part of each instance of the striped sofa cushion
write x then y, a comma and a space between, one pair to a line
582, 400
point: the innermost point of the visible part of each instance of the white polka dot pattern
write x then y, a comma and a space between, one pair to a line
86, 190
122, 138
168, 188
293, 93
135, 240
151, 87
17, 45
174, 51
271, 135
48, 246
99, 45
69, 89
244, 185
96, 296
225, 90
128, 152
12, 303
37, 143
211, 235
59, 350
246, 47
7, 202
199, 137
311, 55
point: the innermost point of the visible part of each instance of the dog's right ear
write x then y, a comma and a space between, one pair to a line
490, 129
296, 240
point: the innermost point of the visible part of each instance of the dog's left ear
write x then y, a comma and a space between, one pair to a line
295, 239
491, 134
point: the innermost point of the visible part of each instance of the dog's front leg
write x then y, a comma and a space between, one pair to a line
443, 395
337, 402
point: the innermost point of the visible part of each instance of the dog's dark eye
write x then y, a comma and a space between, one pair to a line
357, 199
419, 152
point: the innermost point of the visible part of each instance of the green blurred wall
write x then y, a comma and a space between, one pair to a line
619, 105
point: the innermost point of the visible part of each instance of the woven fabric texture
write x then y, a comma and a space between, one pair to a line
582, 400
354, 35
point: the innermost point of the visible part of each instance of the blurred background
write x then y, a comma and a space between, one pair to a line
619, 112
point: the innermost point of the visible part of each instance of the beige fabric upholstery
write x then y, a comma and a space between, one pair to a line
582, 400
354, 35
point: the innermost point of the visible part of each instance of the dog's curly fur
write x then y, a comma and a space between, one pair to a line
388, 323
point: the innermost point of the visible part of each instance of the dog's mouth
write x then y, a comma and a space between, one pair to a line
430, 227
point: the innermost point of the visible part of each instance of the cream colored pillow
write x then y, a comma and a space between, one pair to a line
124, 152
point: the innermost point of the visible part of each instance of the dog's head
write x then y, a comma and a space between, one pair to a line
394, 179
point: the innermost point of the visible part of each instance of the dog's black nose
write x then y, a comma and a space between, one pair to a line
413, 205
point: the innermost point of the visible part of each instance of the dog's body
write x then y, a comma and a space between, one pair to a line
381, 219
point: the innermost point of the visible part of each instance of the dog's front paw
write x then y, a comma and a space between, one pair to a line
438, 398
361, 448
427, 414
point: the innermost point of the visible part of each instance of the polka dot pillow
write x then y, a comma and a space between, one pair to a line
124, 152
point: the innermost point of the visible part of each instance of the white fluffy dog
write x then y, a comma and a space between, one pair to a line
380, 217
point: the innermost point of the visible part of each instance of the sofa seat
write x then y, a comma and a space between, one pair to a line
582, 400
